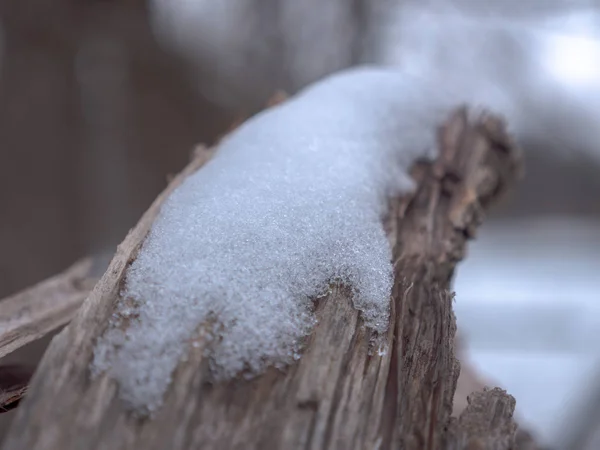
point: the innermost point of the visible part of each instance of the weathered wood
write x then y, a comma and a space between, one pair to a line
38, 310
486, 424
338, 396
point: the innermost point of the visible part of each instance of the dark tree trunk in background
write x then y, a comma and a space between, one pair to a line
39, 140
93, 117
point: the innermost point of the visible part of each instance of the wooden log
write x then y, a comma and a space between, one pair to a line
338, 395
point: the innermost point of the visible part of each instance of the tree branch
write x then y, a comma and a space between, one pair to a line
38, 310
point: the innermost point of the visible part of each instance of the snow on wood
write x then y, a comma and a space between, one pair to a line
337, 395
293, 201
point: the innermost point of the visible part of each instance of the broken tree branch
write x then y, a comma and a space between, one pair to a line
338, 395
14, 380
38, 310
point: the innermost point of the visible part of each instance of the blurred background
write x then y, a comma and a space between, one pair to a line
100, 100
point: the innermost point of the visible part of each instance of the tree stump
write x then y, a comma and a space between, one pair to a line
338, 395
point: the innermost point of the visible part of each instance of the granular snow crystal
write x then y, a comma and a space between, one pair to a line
292, 202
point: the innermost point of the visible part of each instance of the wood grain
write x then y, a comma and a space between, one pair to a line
338, 395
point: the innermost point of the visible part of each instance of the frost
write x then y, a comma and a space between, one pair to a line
293, 200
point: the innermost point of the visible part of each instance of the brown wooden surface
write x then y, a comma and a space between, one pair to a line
337, 396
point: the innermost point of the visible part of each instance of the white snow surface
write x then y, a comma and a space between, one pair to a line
292, 201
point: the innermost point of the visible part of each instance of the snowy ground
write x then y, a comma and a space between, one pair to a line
528, 304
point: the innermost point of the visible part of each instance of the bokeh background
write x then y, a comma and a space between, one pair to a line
100, 100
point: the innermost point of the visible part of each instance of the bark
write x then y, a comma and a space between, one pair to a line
339, 395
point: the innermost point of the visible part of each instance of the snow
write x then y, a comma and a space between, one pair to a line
292, 202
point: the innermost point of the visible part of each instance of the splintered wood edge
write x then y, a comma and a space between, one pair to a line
66, 362
14, 382
486, 423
